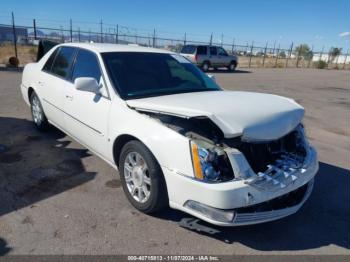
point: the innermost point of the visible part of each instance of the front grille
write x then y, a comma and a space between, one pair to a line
260, 155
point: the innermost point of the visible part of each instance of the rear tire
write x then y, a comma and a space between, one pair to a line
206, 66
142, 178
38, 115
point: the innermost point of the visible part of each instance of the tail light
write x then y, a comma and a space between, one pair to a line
195, 57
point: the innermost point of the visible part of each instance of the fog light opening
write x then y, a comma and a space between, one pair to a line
210, 212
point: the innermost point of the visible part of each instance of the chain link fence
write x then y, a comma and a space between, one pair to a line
21, 41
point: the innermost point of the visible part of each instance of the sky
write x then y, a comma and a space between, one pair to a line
319, 23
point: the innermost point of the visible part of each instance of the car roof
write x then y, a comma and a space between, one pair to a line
104, 47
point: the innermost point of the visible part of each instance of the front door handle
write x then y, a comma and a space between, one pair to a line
69, 97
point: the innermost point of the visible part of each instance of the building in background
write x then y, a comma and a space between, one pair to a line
6, 34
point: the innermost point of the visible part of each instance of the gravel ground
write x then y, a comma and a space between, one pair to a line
57, 198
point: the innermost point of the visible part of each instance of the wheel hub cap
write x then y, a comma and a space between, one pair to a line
137, 177
36, 110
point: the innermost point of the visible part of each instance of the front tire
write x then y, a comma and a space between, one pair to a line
142, 178
38, 114
232, 66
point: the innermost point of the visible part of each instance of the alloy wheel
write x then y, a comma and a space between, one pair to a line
37, 111
137, 177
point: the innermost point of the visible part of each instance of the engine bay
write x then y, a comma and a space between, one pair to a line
286, 152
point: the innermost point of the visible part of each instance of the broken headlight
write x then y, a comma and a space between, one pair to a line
210, 163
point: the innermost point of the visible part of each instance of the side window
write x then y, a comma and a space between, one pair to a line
86, 65
48, 64
222, 51
188, 49
201, 50
213, 50
63, 62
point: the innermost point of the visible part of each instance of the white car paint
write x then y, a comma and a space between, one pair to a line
98, 124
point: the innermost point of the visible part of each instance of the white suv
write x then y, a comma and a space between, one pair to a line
177, 138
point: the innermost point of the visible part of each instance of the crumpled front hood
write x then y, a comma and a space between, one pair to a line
254, 116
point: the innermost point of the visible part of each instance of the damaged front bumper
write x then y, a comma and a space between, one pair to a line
245, 201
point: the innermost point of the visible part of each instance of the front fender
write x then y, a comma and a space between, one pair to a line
171, 149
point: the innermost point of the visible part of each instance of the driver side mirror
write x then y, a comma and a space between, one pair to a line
87, 84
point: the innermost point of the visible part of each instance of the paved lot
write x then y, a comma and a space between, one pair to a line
57, 198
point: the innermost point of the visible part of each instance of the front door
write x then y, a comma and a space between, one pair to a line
86, 116
213, 56
223, 57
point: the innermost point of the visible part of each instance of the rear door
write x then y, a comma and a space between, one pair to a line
214, 56
202, 54
87, 113
55, 74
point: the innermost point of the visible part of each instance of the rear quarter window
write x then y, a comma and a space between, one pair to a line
48, 64
63, 62
202, 50
188, 49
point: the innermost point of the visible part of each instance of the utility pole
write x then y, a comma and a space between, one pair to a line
274, 47
222, 39
154, 38
211, 39
298, 56
101, 31
62, 37
71, 30
277, 53
251, 54
79, 34
117, 35
265, 54
329, 58
185, 39
34, 27
233, 45
14, 35
290, 54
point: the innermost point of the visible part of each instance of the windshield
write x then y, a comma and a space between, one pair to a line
138, 75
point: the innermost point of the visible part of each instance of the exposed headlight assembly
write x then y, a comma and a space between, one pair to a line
210, 164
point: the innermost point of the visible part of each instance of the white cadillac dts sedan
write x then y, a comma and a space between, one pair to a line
177, 138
